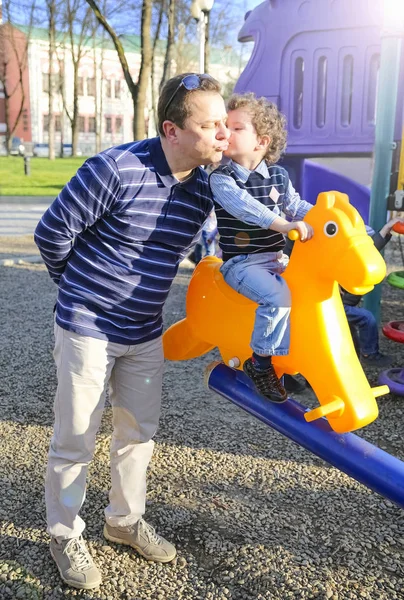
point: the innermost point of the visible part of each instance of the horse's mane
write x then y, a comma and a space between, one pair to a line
348, 209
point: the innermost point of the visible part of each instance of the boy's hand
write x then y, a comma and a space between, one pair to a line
304, 229
386, 229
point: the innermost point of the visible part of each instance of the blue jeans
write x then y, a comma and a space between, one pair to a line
366, 325
257, 276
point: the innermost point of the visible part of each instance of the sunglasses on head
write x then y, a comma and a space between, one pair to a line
189, 82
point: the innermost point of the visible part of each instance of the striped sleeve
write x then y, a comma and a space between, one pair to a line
293, 206
239, 203
89, 194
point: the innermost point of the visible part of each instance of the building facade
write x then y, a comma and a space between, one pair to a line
104, 100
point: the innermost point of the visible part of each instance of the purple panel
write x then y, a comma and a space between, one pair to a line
317, 178
318, 60
310, 179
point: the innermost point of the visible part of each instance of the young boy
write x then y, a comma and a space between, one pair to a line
250, 193
363, 325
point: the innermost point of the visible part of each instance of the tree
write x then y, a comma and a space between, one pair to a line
13, 68
78, 23
51, 8
137, 90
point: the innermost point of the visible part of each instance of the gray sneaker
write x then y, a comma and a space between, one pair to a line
75, 564
143, 538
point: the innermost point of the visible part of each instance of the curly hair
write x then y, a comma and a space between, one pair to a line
267, 120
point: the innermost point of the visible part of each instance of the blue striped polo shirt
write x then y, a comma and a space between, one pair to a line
114, 237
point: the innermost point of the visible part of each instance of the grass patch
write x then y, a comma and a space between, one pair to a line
47, 177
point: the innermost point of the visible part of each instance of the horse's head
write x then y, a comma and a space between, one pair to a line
340, 249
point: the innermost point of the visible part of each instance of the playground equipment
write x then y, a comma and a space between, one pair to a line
349, 453
319, 62
394, 330
321, 346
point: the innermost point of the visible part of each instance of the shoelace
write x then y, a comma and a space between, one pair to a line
150, 532
78, 553
274, 381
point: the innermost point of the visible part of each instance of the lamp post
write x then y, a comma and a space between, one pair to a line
200, 10
392, 34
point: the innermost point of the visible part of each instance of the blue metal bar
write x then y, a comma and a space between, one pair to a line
349, 453
384, 138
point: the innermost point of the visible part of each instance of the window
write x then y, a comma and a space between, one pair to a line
108, 88
117, 89
298, 93
82, 125
374, 68
25, 120
45, 83
108, 124
80, 86
90, 86
58, 123
118, 125
347, 89
91, 124
321, 103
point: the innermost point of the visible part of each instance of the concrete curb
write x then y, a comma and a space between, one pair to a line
20, 260
26, 199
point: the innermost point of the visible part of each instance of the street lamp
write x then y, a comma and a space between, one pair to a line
200, 10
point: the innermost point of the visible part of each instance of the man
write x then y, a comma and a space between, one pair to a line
112, 241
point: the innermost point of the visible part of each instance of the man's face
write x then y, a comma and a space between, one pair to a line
204, 137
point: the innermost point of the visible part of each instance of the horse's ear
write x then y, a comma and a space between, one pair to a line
326, 200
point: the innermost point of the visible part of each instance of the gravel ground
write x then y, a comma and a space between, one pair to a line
253, 515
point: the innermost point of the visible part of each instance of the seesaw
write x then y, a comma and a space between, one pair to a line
340, 252
321, 348
349, 453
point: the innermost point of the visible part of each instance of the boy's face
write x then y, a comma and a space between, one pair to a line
244, 143
205, 135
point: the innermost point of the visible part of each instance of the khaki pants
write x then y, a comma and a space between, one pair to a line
85, 368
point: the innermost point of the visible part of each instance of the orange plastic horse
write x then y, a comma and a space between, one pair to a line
321, 346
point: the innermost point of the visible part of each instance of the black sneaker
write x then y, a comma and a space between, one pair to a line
377, 360
293, 385
266, 382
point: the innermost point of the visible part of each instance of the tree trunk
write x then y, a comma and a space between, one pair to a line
170, 44
51, 123
75, 119
138, 91
139, 128
153, 81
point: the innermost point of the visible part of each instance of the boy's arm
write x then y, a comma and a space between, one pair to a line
88, 195
384, 236
244, 207
294, 206
386, 229
240, 203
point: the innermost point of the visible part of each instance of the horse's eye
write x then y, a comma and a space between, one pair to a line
330, 229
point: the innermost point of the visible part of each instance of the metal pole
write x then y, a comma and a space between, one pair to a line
384, 143
201, 27
349, 453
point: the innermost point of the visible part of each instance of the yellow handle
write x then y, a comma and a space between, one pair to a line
335, 408
380, 390
293, 235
